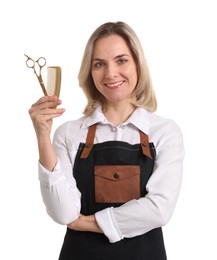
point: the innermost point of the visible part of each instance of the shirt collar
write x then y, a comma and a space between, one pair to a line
139, 118
96, 117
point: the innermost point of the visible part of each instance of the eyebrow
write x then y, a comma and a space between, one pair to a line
116, 57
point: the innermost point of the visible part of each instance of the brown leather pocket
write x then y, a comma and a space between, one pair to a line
117, 183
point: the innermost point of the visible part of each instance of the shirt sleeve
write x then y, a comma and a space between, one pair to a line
137, 217
58, 188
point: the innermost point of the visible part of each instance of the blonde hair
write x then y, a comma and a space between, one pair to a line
144, 92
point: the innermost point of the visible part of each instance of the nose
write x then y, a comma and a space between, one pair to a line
111, 71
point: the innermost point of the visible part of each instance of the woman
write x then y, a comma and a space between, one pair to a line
114, 175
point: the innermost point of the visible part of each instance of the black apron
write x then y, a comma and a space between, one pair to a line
91, 161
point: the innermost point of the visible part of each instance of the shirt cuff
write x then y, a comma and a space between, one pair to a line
50, 178
106, 221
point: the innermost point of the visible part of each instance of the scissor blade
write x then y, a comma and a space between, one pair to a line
27, 56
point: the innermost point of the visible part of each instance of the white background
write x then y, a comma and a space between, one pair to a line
179, 40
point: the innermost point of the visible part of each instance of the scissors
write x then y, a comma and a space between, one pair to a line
30, 63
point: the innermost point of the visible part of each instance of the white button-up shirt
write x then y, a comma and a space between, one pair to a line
62, 197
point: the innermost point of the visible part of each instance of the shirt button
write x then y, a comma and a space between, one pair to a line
114, 129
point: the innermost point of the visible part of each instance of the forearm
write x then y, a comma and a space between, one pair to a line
47, 155
133, 218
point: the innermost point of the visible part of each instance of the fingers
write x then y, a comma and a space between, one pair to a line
47, 101
44, 110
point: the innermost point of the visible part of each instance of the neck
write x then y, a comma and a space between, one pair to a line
117, 113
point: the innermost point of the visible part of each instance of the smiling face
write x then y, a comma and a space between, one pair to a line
113, 69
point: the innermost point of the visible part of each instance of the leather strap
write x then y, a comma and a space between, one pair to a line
89, 141
145, 144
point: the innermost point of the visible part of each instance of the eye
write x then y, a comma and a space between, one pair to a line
122, 61
98, 64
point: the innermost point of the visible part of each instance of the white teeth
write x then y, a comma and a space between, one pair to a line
115, 84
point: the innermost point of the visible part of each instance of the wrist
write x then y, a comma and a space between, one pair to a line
92, 223
85, 223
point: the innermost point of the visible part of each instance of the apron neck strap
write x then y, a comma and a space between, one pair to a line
90, 140
145, 144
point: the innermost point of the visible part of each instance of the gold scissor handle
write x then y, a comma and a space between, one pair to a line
41, 62
30, 63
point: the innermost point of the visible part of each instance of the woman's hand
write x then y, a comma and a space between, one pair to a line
85, 223
43, 111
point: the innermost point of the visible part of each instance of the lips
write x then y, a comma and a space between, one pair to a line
114, 85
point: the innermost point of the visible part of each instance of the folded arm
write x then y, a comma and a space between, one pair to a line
137, 217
